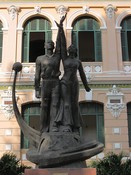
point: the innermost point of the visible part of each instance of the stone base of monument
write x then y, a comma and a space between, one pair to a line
61, 171
63, 150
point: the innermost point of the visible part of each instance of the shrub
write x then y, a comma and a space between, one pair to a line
10, 165
112, 164
126, 167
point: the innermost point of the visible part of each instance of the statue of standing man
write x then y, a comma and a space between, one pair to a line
47, 70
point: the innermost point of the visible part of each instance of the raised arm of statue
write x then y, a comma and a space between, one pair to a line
63, 47
83, 77
57, 48
37, 78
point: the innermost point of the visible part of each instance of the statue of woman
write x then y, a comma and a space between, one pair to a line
69, 116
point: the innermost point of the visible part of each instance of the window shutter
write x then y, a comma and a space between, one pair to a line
98, 48
129, 128
29, 111
129, 23
124, 45
74, 39
41, 25
126, 38
100, 128
25, 51
34, 24
1, 41
48, 35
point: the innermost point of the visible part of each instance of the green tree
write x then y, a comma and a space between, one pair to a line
10, 165
112, 164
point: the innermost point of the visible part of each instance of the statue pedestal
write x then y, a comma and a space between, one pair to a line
61, 171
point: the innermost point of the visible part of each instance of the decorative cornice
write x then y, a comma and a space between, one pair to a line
24, 86
106, 86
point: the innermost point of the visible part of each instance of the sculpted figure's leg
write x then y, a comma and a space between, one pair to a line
45, 106
54, 107
44, 118
67, 117
75, 106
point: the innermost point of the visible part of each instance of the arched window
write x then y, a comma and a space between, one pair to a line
86, 36
36, 32
1, 41
31, 115
129, 122
126, 38
93, 121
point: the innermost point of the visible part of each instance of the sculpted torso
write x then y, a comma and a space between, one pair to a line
49, 67
70, 68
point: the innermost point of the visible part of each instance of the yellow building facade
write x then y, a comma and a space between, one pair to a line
101, 31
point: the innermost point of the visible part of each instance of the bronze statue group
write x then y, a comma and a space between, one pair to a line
59, 97
58, 144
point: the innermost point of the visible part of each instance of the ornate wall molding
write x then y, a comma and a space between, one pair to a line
33, 12
115, 101
121, 17
62, 10
127, 68
93, 68
7, 106
80, 12
110, 11
4, 22
37, 9
86, 9
13, 11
